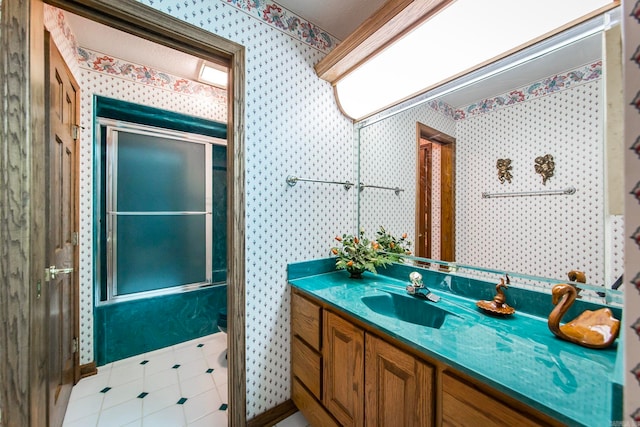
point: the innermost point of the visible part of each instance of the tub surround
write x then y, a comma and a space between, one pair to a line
128, 328
517, 355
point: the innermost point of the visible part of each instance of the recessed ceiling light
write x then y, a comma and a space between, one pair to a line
212, 74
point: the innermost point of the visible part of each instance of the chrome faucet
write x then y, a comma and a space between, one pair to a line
418, 289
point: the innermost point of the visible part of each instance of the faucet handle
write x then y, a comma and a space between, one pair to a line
416, 279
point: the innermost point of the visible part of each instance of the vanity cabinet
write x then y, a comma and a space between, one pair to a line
347, 373
331, 358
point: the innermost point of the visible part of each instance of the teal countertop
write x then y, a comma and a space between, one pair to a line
516, 355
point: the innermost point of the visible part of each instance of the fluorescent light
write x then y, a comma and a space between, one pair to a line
214, 75
461, 37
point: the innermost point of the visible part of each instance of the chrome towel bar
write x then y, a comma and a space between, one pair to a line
566, 191
293, 180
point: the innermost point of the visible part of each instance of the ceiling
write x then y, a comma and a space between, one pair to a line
100, 38
338, 17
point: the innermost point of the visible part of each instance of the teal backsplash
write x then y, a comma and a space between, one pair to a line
523, 300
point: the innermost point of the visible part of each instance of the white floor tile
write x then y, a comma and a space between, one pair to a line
160, 399
192, 369
295, 420
215, 419
215, 345
186, 344
220, 377
157, 353
122, 414
168, 377
120, 406
201, 405
223, 392
84, 407
125, 373
197, 385
122, 393
185, 355
88, 386
90, 421
172, 416
159, 362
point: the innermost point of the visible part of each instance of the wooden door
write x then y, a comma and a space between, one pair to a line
343, 370
62, 205
435, 198
423, 208
398, 387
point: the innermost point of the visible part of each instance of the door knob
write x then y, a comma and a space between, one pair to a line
51, 272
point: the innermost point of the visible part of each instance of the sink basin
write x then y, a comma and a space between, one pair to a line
407, 308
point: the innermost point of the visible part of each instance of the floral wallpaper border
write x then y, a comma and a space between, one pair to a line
102, 63
544, 87
96, 61
275, 15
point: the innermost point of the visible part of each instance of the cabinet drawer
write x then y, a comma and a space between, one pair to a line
306, 317
464, 405
306, 365
312, 410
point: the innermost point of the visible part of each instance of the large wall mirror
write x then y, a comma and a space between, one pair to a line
438, 156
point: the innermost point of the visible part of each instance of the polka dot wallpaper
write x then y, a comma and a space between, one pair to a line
543, 235
293, 127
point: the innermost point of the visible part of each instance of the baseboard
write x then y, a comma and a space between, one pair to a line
88, 369
273, 415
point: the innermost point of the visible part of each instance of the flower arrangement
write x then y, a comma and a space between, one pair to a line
358, 253
393, 246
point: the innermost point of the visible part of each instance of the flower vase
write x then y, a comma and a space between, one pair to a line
355, 273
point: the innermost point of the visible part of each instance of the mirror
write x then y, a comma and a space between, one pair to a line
549, 100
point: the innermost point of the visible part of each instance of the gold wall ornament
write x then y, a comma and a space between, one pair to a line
545, 167
504, 168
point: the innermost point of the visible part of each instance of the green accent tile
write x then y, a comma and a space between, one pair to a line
182, 400
106, 389
142, 395
223, 407
135, 327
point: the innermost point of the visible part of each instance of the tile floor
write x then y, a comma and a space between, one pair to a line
182, 385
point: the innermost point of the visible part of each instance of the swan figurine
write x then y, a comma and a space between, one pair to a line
498, 305
593, 329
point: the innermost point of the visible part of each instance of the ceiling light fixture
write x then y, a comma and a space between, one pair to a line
463, 36
213, 74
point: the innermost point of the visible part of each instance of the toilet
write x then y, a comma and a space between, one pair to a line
222, 320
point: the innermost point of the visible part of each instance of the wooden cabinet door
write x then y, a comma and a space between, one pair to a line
343, 366
398, 387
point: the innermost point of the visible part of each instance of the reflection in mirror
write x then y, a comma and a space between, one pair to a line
553, 104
